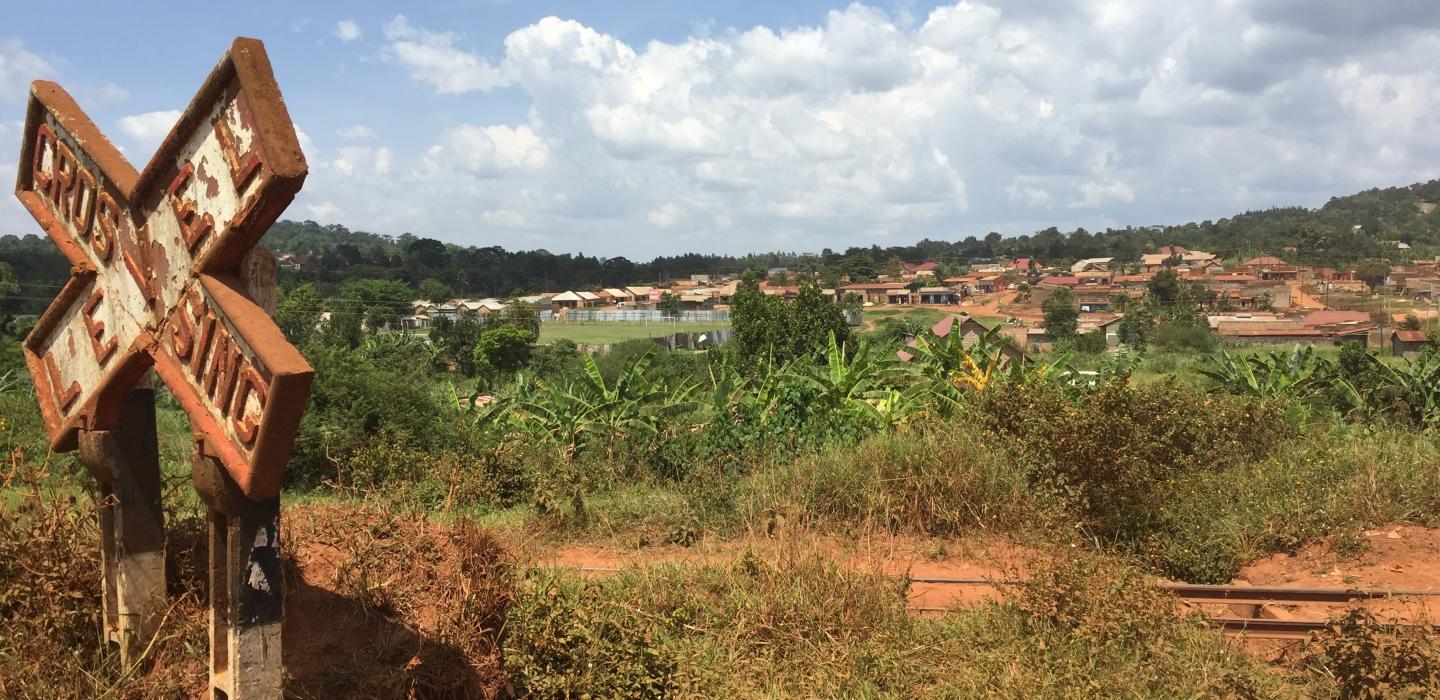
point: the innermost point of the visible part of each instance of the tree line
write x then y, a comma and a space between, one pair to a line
1364, 226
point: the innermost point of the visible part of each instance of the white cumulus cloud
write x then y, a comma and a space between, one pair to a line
147, 130
433, 58
861, 126
17, 68
347, 30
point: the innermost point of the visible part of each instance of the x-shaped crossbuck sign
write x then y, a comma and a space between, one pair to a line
154, 256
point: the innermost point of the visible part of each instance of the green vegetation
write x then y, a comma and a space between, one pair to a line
806, 629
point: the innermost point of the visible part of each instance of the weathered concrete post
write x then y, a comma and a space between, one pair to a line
126, 463
246, 587
247, 592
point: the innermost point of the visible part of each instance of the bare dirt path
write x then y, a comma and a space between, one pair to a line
987, 557
1395, 557
1301, 299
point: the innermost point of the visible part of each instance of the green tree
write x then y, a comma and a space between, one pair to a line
762, 327
502, 350
455, 340
559, 358
815, 320
1062, 317
381, 301
1164, 287
299, 313
1372, 273
669, 304
345, 328
525, 315
1411, 323
1136, 327
9, 287
431, 289
859, 266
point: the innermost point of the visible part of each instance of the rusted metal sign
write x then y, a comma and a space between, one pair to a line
154, 255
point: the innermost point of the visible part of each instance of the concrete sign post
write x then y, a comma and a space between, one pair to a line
155, 285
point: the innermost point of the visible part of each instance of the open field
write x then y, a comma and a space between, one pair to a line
876, 318
607, 332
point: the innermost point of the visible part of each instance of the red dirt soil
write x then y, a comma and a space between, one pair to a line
1396, 557
380, 604
985, 557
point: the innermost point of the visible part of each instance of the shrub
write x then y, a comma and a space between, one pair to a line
939, 481
1115, 454
1368, 662
557, 360
1184, 332
1310, 489
1098, 600
355, 398
562, 644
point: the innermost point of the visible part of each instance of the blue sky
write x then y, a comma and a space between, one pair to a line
647, 128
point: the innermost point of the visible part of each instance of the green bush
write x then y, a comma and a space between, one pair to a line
1313, 488
355, 398
804, 628
1184, 333
943, 480
557, 360
1115, 454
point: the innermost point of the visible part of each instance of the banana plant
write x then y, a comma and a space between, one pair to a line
634, 404
848, 383
895, 407
1273, 375
1411, 389
942, 357
755, 397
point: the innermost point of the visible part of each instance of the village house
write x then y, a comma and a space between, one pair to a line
1407, 343
875, 292
1315, 328
1271, 268
615, 296
574, 300
970, 331
1192, 260
1108, 324
1092, 265
1094, 300
937, 295
291, 261
1420, 288
1139, 281
1154, 262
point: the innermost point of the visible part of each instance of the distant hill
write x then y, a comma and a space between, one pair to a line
1346, 229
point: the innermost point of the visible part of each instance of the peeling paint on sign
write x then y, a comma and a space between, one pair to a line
154, 255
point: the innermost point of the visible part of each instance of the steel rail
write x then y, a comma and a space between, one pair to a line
1210, 593
1252, 627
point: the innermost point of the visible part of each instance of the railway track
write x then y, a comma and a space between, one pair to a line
1266, 618
1264, 604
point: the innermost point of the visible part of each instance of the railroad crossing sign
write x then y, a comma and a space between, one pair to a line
155, 259
154, 256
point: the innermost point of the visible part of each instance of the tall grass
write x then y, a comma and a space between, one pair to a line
804, 628
933, 480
